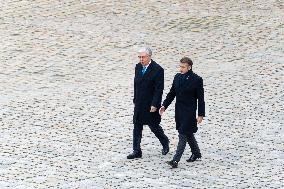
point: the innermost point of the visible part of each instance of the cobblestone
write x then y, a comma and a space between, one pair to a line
66, 77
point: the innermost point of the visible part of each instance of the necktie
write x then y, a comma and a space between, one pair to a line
143, 70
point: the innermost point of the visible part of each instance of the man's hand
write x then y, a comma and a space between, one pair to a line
199, 119
153, 109
162, 110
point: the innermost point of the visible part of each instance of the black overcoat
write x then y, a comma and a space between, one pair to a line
187, 93
148, 91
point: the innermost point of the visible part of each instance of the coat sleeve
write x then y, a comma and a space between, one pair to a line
134, 96
158, 88
200, 97
170, 96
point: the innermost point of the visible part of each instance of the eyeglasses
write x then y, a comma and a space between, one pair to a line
142, 56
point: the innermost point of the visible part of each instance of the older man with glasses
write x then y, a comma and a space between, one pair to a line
148, 91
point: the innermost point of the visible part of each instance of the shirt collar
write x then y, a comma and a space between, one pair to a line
147, 64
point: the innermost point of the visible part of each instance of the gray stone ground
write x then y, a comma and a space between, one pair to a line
66, 79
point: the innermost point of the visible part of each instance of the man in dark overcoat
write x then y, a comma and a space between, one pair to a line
187, 88
148, 91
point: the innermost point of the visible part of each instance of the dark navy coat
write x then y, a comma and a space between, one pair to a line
148, 91
187, 92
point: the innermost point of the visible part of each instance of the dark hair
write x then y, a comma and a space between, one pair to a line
186, 60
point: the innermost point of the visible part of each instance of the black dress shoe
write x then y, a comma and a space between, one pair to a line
166, 149
193, 157
173, 163
134, 155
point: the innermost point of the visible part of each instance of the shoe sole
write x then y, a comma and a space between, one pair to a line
172, 167
197, 159
134, 157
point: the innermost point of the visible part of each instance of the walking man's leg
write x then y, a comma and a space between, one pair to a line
179, 151
180, 147
194, 148
137, 136
159, 133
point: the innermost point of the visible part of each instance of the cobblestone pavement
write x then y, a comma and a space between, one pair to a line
66, 78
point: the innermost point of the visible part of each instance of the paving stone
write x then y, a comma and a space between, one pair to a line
66, 77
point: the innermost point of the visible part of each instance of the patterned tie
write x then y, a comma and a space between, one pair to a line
143, 70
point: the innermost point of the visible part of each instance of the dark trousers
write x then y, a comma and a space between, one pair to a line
182, 143
156, 129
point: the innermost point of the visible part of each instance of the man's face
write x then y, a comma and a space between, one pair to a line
144, 58
184, 67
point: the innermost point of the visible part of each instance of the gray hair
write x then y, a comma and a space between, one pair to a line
147, 50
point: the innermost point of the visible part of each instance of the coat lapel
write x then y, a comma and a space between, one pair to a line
188, 79
149, 69
139, 75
